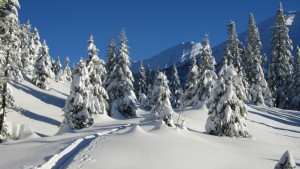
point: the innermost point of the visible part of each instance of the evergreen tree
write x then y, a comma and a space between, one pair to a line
9, 46
67, 70
191, 86
10, 30
286, 161
142, 80
207, 75
78, 109
111, 56
281, 63
149, 79
120, 88
175, 88
161, 95
57, 70
227, 112
25, 36
294, 89
35, 45
97, 71
42, 69
259, 90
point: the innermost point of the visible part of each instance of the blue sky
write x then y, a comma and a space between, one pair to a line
151, 25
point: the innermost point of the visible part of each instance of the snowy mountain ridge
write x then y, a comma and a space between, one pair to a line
180, 53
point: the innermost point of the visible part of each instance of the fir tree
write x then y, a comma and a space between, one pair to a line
207, 75
111, 55
8, 44
78, 109
25, 36
259, 90
286, 162
97, 71
67, 70
57, 70
120, 88
175, 88
42, 69
161, 95
281, 63
10, 30
35, 45
142, 80
294, 89
227, 112
191, 86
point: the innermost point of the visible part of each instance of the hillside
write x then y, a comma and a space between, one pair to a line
174, 54
116, 144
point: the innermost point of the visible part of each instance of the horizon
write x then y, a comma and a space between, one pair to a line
149, 33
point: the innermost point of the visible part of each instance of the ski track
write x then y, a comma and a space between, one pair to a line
63, 158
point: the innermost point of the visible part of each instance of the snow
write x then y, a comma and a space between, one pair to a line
133, 143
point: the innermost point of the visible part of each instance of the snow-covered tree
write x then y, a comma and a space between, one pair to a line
57, 70
227, 112
259, 90
97, 71
175, 88
9, 61
281, 63
42, 68
149, 79
234, 54
286, 162
161, 97
111, 55
67, 70
78, 109
35, 45
25, 36
294, 89
191, 85
142, 80
207, 75
120, 88
10, 30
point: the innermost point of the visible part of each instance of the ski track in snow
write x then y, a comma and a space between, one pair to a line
63, 158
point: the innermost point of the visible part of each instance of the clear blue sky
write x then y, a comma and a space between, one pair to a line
151, 25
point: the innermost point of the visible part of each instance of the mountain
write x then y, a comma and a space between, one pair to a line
178, 54
174, 54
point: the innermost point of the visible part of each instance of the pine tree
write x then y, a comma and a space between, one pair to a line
57, 70
259, 90
67, 70
9, 46
191, 86
42, 69
227, 112
25, 36
161, 98
281, 63
120, 89
234, 54
35, 45
294, 89
111, 55
10, 30
78, 109
142, 80
286, 161
207, 75
96, 70
175, 88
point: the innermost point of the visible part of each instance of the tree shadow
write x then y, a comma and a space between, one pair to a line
44, 97
277, 128
281, 116
41, 118
286, 135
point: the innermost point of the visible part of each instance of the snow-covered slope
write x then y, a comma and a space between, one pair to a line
177, 54
123, 144
174, 54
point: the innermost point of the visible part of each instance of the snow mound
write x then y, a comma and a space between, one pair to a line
286, 161
136, 129
21, 131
